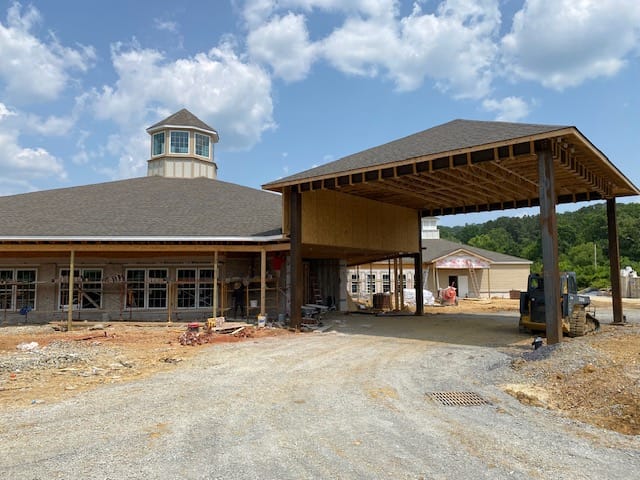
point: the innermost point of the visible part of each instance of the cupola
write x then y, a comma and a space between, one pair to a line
182, 147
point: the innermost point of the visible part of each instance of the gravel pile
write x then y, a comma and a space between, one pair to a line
56, 355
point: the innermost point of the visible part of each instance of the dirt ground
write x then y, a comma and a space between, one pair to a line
594, 379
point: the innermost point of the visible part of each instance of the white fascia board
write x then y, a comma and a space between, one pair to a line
270, 238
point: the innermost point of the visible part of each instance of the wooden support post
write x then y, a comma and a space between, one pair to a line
417, 280
72, 267
169, 300
614, 261
417, 276
401, 282
548, 224
263, 281
295, 233
396, 294
214, 300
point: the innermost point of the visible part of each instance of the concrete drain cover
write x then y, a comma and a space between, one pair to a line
459, 399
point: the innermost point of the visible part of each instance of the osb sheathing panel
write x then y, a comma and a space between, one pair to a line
335, 219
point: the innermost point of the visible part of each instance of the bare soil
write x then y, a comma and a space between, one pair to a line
594, 379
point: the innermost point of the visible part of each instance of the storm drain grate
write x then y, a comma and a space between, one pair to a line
459, 399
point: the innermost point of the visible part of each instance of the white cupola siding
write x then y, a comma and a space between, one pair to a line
182, 147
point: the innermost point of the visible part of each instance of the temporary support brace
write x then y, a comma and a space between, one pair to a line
417, 276
549, 229
614, 261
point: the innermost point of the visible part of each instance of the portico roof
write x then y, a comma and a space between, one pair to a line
466, 166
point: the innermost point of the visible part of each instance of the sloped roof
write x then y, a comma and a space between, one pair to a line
434, 249
453, 135
143, 207
466, 166
182, 118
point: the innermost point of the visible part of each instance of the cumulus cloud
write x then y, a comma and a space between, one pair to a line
24, 164
218, 86
455, 45
283, 43
509, 109
18, 163
38, 69
562, 43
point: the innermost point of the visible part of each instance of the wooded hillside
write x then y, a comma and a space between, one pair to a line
582, 240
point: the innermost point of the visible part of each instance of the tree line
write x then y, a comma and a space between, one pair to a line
583, 243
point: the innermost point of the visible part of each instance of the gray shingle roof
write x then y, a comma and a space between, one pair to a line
438, 248
453, 135
183, 118
144, 207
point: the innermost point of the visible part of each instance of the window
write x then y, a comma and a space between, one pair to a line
179, 142
186, 288
386, 283
195, 287
371, 283
403, 278
87, 287
205, 287
354, 283
158, 144
17, 288
202, 145
147, 288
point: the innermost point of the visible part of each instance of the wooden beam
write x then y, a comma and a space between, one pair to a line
614, 261
295, 222
548, 223
215, 284
135, 247
263, 282
417, 276
72, 267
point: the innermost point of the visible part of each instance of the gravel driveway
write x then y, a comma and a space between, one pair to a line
350, 403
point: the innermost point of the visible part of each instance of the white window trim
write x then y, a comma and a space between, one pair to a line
189, 140
197, 282
195, 145
146, 289
14, 287
62, 306
153, 144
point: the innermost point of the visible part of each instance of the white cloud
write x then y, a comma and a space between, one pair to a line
24, 164
222, 90
455, 46
562, 43
33, 69
509, 109
165, 25
283, 43
5, 112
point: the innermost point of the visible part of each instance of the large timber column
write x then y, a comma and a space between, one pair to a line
614, 261
548, 224
417, 276
295, 234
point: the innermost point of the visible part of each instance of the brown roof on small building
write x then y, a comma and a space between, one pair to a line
143, 207
183, 118
434, 249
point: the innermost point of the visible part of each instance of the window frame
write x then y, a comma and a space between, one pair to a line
93, 289
354, 283
154, 153
150, 287
371, 283
13, 288
200, 289
171, 142
198, 136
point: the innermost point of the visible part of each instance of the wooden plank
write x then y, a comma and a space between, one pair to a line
549, 244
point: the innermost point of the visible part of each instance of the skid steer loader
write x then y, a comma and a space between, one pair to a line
576, 321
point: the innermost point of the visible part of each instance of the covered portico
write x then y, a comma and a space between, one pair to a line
459, 167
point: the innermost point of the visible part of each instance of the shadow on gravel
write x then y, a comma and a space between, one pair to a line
463, 329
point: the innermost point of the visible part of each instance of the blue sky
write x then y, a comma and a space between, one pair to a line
291, 84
